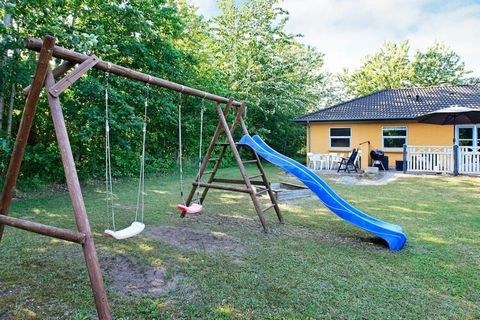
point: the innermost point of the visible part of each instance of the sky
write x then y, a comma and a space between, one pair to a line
347, 30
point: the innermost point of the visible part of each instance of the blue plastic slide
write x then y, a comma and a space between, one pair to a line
391, 233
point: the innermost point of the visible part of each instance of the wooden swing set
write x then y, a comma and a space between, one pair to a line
54, 85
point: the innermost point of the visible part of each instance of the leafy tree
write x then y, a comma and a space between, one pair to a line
388, 68
278, 76
391, 68
244, 53
140, 34
438, 65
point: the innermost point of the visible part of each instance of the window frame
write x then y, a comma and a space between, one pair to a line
399, 149
349, 148
475, 134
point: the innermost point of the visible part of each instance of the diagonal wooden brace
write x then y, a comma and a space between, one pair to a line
57, 73
73, 76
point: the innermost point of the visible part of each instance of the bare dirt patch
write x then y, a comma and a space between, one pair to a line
224, 220
323, 236
130, 277
7, 292
285, 230
198, 240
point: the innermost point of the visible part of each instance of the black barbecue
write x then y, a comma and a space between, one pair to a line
377, 154
379, 159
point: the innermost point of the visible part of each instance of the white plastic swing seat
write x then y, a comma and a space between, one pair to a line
192, 209
134, 229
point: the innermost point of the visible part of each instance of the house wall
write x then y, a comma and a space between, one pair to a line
318, 136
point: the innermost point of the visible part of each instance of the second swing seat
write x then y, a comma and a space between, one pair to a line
192, 209
131, 231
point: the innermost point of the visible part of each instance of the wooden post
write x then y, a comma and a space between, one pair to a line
272, 197
57, 72
365, 154
81, 218
243, 172
404, 158
309, 137
456, 159
25, 126
222, 152
207, 157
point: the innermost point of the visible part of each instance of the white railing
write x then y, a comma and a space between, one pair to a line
469, 159
430, 159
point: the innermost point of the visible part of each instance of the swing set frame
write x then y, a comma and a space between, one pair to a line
54, 85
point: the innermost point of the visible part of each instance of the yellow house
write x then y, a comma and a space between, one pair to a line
385, 120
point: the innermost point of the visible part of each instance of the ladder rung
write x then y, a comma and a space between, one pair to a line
213, 159
222, 144
221, 187
262, 191
250, 161
269, 207
209, 172
255, 176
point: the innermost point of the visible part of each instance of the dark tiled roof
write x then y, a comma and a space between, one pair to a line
398, 104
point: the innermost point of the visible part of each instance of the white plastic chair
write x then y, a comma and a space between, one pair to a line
309, 160
357, 160
318, 162
336, 160
332, 159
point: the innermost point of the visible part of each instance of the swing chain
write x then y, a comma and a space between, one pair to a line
200, 145
180, 146
141, 180
108, 162
140, 207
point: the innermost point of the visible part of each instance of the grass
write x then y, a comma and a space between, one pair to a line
314, 266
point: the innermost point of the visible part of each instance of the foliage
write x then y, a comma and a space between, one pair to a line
391, 67
438, 65
388, 68
277, 75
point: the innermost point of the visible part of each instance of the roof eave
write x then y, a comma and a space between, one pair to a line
352, 120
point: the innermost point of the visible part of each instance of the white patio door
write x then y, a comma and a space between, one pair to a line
467, 138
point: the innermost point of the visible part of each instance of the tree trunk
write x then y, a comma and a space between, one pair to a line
2, 101
13, 92
7, 21
10, 109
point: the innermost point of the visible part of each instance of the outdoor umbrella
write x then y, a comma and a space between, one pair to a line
452, 115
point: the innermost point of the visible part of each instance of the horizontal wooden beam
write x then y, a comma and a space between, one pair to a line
76, 57
64, 234
220, 187
238, 181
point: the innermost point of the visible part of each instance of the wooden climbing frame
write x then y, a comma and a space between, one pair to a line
52, 81
223, 184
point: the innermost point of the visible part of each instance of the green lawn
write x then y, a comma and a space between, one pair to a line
314, 266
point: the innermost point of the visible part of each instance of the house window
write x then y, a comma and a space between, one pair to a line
340, 138
465, 136
468, 136
394, 137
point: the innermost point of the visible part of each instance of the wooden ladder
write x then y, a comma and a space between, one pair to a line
220, 183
